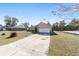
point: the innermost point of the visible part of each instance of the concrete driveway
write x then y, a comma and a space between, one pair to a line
33, 45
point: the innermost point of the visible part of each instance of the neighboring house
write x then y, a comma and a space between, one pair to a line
1, 28
32, 29
16, 28
42, 28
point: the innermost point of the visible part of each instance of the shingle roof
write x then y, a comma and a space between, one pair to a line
43, 25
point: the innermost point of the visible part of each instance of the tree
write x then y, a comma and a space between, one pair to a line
77, 25
73, 24
49, 23
62, 25
56, 26
26, 25
14, 21
10, 21
64, 10
7, 21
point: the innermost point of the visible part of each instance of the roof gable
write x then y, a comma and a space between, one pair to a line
43, 25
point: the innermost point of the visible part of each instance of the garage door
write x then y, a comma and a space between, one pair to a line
45, 30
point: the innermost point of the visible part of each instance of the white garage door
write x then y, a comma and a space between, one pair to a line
45, 30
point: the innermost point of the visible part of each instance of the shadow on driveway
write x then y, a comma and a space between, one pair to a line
47, 34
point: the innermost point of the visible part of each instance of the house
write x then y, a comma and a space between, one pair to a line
1, 28
42, 27
32, 28
16, 28
20, 27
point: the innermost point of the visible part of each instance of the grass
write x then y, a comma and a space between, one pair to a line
64, 44
20, 35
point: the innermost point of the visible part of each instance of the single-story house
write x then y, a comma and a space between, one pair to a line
16, 28
32, 28
42, 28
1, 28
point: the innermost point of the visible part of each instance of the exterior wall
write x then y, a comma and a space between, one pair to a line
1, 29
18, 29
15, 29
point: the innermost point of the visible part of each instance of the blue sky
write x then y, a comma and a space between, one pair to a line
32, 13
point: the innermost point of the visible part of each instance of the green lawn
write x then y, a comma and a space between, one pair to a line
20, 35
64, 44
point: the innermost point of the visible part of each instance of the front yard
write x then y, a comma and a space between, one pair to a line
64, 44
20, 34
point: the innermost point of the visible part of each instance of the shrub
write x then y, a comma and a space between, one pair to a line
13, 34
3, 34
